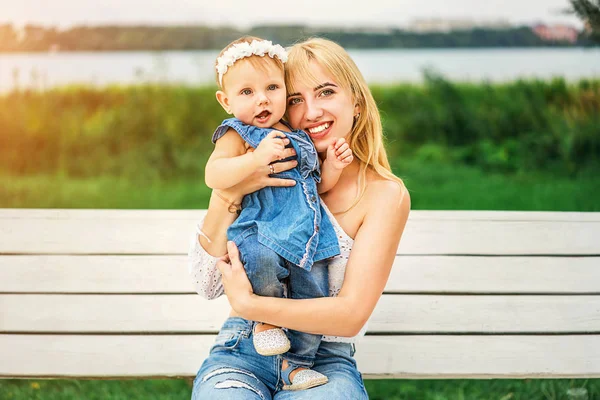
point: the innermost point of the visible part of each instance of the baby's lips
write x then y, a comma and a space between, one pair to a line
263, 114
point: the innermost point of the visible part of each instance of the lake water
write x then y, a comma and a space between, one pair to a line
43, 70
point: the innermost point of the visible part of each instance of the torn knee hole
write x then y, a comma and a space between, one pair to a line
232, 383
221, 371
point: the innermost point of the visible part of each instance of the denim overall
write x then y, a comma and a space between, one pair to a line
284, 234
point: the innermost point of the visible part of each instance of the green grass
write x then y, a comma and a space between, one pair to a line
498, 389
435, 186
94, 390
45, 191
432, 186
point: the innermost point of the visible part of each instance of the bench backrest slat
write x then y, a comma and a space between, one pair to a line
410, 274
394, 314
168, 232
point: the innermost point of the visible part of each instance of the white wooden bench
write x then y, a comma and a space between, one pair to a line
106, 294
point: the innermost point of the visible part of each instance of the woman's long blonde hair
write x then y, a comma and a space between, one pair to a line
366, 137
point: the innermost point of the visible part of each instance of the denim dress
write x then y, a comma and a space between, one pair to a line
289, 220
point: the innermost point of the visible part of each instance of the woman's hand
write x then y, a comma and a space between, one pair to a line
261, 178
235, 281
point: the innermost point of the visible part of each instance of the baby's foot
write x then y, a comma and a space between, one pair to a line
298, 378
269, 340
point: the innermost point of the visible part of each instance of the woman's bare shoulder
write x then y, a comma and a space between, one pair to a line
387, 194
381, 187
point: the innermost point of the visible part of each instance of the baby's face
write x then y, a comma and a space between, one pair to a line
256, 96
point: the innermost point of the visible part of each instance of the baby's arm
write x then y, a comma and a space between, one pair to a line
339, 156
229, 164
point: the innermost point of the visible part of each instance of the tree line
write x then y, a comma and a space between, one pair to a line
33, 38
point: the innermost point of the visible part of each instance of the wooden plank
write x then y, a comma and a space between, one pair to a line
378, 356
97, 232
522, 216
410, 274
480, 356
523, 275
167, 232
95, 214
115, 313
33, 213
393, 314
500, 237
95, 274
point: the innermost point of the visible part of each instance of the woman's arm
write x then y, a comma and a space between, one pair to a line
371, 260
203, 269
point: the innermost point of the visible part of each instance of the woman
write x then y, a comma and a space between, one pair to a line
369, 206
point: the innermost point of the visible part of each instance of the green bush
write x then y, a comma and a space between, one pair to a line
523, 125
151, 131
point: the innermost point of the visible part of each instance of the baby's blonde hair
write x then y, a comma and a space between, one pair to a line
366, 137
256, 61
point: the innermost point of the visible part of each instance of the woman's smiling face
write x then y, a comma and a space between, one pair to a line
325, 111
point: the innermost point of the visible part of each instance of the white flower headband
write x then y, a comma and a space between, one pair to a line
245, 49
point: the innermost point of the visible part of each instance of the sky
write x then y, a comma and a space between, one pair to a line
245, 13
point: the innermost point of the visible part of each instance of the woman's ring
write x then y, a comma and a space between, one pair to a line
271, 169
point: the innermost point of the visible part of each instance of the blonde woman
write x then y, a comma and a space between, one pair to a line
329, 99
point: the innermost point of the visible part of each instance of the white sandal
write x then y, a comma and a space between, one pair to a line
271, 342
305, 379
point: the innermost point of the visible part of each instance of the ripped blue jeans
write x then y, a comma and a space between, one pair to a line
234, 371
267, 271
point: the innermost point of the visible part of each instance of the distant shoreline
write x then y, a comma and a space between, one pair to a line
189, 38
42, 70
548, 47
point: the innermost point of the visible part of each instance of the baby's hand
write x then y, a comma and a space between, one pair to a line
339, 155
270, 149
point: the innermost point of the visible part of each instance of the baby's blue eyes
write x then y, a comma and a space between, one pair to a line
248, 92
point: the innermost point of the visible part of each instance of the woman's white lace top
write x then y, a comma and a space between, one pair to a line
207, 278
